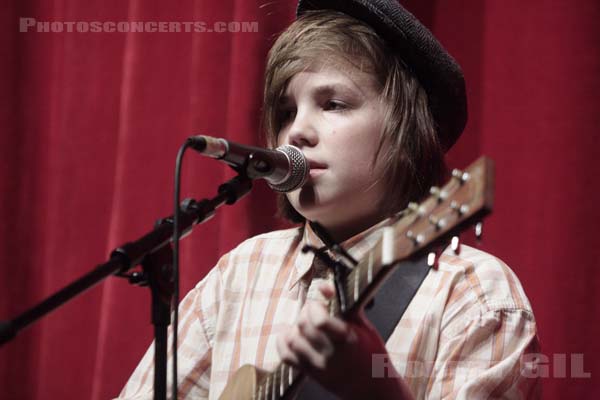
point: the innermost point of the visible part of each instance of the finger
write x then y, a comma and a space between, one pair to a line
308, 358
327, 289
335, 329
317, 338
283, 348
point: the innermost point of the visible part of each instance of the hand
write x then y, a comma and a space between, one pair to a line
338, 353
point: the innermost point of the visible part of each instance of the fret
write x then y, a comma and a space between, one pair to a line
348, 287
282, 381
370, 268
356, 284
352, 286
267, 386
260, 391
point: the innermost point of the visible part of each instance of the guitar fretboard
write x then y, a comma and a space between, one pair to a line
275, 384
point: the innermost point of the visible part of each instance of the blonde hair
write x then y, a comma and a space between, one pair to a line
409, 147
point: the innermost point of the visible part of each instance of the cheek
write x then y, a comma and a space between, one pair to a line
358, 173
360, 136
280, 139
361, 151
361, 164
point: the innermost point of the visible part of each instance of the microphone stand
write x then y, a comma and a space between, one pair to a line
153, 252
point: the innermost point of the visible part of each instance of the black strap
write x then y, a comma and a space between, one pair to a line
394, 296
390, 302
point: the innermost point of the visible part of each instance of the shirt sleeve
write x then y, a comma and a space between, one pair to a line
197, 320
485, 356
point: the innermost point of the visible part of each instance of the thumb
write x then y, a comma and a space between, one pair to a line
327, 290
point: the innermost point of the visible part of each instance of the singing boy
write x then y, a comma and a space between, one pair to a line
373, 101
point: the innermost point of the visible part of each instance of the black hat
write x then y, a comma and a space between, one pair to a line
439, 74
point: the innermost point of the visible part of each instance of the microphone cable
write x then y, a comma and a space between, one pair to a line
176, 236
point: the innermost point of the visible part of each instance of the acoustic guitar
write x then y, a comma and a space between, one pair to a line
463, 202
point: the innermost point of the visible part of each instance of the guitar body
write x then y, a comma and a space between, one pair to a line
243, 383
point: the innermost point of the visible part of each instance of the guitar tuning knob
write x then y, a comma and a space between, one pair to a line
438, 193
432, 259
455, 245
387, 245
460, 176
479, 230
416, 239
438, 223
415, 208
461, 209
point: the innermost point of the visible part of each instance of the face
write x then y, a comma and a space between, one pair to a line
335, 116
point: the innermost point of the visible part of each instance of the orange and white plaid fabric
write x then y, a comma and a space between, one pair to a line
463, 335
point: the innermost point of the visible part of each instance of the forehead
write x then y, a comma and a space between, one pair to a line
332, 76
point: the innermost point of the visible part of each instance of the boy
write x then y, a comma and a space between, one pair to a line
373, 101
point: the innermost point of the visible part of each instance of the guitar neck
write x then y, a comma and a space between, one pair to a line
279, 383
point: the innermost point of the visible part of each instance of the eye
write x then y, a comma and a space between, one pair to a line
335, 105
286, 114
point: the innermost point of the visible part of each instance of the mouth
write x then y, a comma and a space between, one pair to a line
316, 164
316, 168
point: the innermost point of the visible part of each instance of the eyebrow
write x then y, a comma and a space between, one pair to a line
333, 88
325, 90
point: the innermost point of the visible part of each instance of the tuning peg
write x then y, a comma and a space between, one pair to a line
461, 209
415, 208
439, 223
437, 192
479, 230
416, 239
460, 176
432, 259
387, 245
455, 244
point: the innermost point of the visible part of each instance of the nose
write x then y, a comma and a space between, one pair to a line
302, 131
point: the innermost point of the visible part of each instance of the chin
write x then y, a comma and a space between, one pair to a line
327, 212
327, 218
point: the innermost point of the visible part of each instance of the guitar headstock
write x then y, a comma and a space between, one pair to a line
464, 201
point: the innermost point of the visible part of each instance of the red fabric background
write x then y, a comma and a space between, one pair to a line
91, 124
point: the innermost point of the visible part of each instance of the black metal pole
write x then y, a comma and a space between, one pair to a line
131, 254
158, 269
8, 329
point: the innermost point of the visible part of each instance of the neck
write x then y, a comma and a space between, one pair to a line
343, 231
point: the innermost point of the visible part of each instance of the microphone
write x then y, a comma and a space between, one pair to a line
285, 169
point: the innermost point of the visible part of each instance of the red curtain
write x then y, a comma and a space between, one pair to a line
91, 123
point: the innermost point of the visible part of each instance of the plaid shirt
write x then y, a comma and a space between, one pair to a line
463, 335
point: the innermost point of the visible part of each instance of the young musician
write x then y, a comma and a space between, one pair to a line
373, 101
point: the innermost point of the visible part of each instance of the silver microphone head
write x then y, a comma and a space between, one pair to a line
298, 173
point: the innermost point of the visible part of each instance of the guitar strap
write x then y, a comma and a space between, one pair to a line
390, 302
